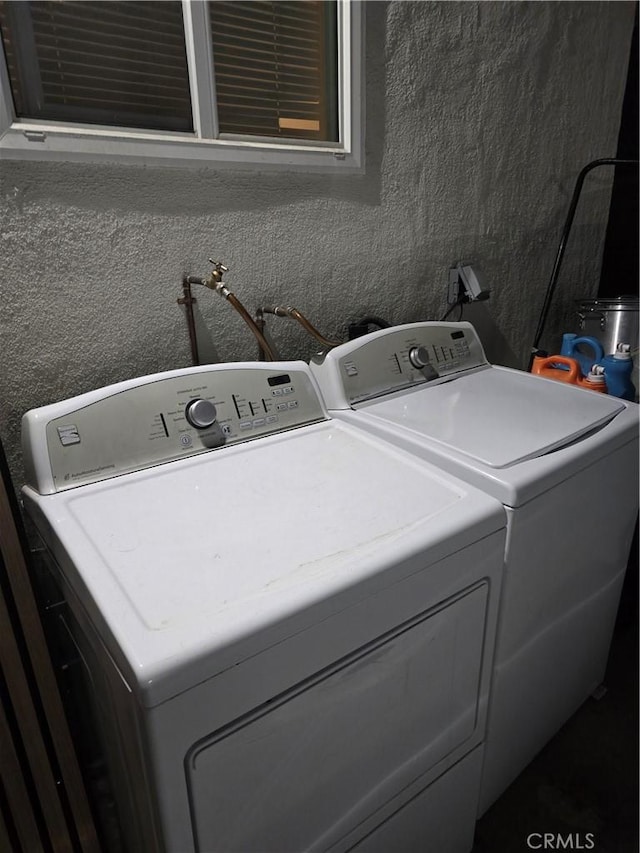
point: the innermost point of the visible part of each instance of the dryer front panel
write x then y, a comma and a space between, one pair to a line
362, 729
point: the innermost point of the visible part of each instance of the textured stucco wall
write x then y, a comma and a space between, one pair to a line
479, 117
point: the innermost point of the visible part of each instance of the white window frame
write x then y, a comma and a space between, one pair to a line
27, 139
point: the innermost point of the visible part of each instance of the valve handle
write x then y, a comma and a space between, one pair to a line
215, 279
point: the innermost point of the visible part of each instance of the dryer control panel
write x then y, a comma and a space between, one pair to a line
396, 358
156, 419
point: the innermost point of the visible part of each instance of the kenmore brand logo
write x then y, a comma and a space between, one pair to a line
556, 841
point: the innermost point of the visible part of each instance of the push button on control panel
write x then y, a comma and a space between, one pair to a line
68, 434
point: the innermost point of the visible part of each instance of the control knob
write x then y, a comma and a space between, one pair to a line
200, 413
419, 357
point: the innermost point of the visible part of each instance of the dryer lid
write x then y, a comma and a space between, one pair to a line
497, 416
214, 556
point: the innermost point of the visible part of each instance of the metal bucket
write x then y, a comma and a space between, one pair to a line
611, 320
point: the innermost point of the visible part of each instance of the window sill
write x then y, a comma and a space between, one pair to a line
31, 141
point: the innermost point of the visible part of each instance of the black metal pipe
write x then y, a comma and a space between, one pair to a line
609, 161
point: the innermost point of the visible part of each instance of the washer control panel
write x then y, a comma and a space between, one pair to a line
160, 418
396, 358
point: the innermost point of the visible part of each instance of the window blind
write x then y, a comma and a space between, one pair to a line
275, 67
115, 63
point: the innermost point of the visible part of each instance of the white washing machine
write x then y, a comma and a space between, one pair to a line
562, 460
288, 625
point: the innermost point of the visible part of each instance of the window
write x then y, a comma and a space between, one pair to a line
275, 68
227, 81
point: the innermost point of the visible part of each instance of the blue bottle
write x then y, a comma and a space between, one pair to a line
617, 372
570, 344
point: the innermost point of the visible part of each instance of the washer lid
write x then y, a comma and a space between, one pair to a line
191, 567
496, 416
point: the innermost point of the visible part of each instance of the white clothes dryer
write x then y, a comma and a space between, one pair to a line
564, 463
288, 625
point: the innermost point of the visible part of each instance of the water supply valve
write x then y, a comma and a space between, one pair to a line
214, 281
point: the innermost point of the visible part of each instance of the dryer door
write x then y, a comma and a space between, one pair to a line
305, 769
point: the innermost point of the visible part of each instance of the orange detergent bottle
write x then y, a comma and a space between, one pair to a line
595, 380
550, 368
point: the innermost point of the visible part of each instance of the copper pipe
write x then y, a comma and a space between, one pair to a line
214, 282
242, 311
311, 329
187, 300
294, 314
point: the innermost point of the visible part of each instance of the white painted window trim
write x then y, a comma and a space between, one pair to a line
35, 140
